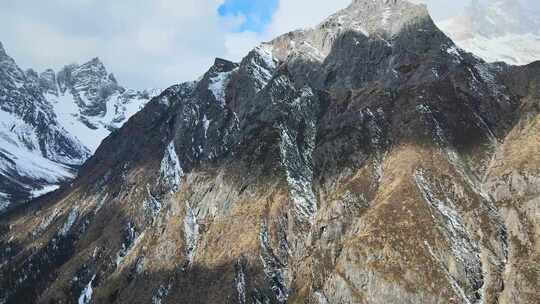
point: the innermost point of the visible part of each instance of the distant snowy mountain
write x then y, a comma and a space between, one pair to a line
499, 30
89, 102
50, 123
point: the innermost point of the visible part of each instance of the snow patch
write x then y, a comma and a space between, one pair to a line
47, 189
512, 48
4, 202
91, 130
191, 232
276, 271
300, 185
170, 171
262, 66
86, 295
101, 203
20, 145
72, 217
160, 294
297, 161
151, 204
206, 125
265, 52
47, 221
455, 53
218, 86
240, 282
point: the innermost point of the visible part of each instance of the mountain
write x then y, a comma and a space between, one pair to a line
35, 151
51, 123
366, 160
89, 102
499, 30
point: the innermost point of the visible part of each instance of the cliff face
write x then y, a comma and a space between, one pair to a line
367, 160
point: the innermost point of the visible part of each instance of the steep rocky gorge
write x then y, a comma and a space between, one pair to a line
367, 160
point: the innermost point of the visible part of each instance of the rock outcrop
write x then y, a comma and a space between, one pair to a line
367, 160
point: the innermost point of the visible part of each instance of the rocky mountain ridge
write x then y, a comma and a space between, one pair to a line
36, 151
394, 168
89, 101
51, 123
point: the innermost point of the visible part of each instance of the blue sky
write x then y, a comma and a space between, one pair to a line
255, 14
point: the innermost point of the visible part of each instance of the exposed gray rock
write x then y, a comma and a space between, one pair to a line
361, 168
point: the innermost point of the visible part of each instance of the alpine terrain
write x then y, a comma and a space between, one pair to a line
365, 160
50, 123
497, 30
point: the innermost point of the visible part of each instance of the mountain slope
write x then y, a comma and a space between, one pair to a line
355, 162
51, 123
502, 30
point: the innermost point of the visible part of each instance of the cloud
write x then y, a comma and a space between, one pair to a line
289, 15
156, 43
255, 14
145, 43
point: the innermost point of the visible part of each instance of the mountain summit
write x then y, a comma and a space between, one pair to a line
51, 123
368, 18
366, 160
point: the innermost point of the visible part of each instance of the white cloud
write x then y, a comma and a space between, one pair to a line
290, 15
149, 43
303, 13
145, 43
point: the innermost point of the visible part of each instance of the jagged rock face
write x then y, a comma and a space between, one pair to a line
90, 85
47, 82
379, 19
52, 123
35, 150
501, 30
284, 179
90, 102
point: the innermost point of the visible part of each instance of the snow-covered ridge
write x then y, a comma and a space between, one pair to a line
50, 122
171, 171
89, 102
500, 30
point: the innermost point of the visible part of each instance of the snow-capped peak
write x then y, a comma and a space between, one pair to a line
51, 121
499, 30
